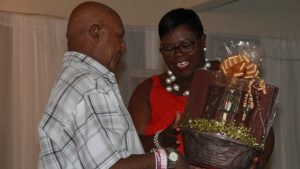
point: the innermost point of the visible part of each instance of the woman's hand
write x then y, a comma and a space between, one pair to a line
254, 163
168, 137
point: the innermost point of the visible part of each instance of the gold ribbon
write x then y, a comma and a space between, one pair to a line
240, 66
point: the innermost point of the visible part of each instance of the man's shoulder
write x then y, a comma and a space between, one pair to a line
76, 77
68, 92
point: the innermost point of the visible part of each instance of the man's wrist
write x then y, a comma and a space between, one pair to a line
172, 156
161, 158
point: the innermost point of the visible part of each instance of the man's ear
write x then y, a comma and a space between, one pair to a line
95, 31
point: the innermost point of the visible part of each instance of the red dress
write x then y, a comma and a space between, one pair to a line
164, 106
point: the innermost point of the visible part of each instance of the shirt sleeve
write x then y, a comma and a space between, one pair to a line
90, 138
94, 135
90, 134
101, 136
56, 143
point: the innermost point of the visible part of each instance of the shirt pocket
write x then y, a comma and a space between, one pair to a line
108, 114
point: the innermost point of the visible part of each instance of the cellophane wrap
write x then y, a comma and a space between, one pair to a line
229, 113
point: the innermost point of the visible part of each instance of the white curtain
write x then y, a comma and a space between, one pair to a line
281, 68
31, 51
142, 59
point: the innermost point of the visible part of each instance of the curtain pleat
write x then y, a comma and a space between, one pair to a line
30, 61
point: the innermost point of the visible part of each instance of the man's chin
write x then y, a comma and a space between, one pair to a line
114, 67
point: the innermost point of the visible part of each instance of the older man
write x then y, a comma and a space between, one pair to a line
85, 124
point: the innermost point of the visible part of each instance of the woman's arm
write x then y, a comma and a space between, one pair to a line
140, 111
269, 145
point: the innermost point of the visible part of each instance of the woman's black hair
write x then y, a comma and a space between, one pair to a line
177, 17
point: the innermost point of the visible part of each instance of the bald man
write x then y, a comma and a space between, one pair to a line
85, 124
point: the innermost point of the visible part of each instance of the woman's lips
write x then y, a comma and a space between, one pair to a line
182, 65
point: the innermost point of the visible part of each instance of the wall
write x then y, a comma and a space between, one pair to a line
133, 12
252, 17
270, 18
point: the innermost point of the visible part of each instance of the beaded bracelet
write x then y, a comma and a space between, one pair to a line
157, 160
155, 140
161, 161
163, 158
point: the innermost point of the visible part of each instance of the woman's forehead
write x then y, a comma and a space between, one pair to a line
179, 34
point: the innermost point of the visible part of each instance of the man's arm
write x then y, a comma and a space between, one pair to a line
146, 161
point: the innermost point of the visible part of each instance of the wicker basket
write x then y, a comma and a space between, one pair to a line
216, 151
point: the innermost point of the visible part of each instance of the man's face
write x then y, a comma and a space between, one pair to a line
111, 45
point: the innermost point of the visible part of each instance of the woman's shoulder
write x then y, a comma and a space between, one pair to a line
143, 89
148, 82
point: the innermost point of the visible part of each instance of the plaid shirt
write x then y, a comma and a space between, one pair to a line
85, 124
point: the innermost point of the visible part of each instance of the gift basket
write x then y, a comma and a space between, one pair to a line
229, 113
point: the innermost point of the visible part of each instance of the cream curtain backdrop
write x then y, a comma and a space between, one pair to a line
31, 51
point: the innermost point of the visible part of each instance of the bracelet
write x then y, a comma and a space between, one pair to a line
163, 158
155, 140
157, 159
161, 161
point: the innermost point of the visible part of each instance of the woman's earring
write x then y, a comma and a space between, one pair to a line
204, 49
207, 64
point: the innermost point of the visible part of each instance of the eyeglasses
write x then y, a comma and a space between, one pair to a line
184, 47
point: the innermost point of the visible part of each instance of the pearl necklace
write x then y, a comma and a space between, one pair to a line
176, 87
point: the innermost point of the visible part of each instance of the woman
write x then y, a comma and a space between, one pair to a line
158, 102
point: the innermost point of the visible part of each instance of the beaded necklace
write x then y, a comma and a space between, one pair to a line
175, 87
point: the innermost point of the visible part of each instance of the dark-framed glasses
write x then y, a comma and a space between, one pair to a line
184, 47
